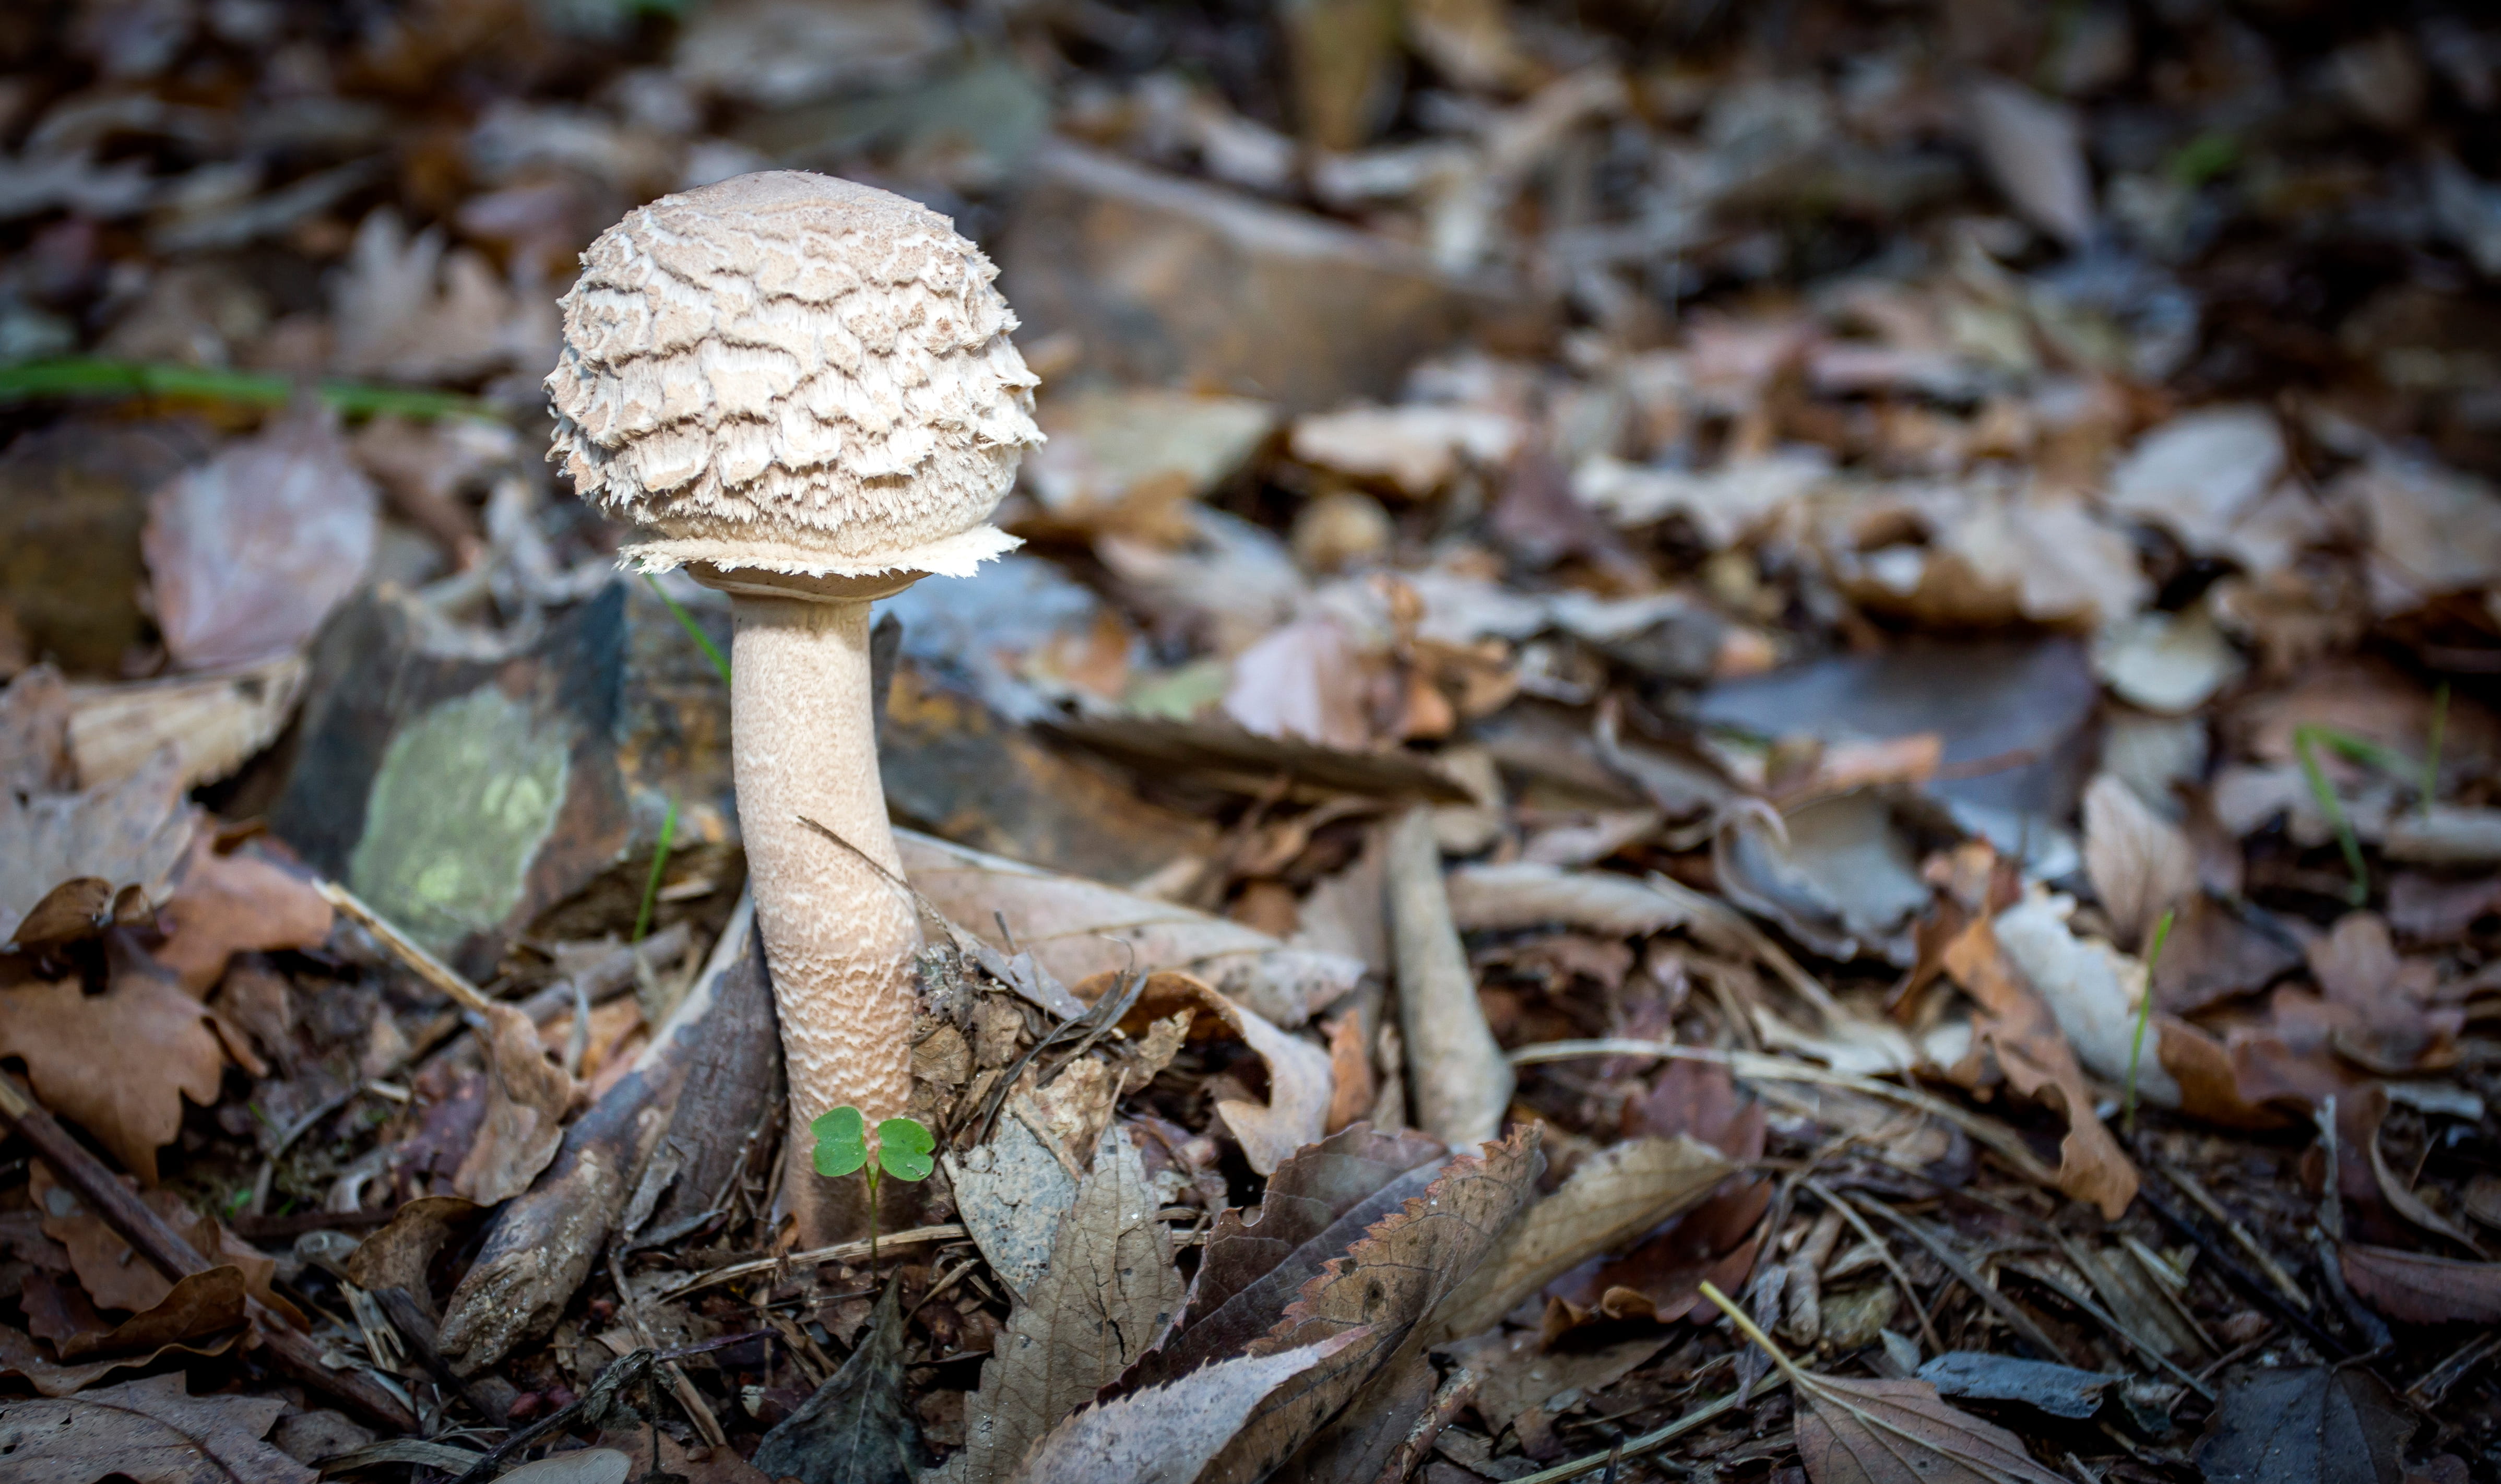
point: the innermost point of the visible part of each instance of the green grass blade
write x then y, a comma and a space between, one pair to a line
2144, 1018
2305, 745
659, 868
2431, 751
695, 630
85, 375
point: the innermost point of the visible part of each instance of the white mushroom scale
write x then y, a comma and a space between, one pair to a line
801, 390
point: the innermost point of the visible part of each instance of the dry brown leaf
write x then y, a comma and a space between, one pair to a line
1389, 1283
1299, 1079
1077, 928
251, 551
1165, 1435
1304, 1198
150, 1431
2412, 1288
1457, 1077
130, 832
526, 1095
2035, 1060
398, 1255
21, 1358
34, 734
118, 1063
1111, 1292
202, 1304
2306, 1425
1616, 1195
2140, 863
114, 1275
1902, 1433
226, 905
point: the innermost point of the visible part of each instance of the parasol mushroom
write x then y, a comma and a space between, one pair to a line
801, 390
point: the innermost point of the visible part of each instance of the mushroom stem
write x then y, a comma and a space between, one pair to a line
838, 936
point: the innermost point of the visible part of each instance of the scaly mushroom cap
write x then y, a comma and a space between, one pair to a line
795, 374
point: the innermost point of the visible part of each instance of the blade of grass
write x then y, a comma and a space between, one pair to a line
2305, 740
95, 376
659, 868
2144, 1017
695, 630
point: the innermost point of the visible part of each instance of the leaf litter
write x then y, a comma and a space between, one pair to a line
1806, 551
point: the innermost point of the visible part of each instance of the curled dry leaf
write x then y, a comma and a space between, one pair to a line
1613, 1198
526, 1095
1165, 1435
1388, 1283
1299, 1078
2305, 1425
2015, 1027
1111, 1292
1456, 1074
22, 1358
2414, 1288
202, 1304
150, 1431
1076, 929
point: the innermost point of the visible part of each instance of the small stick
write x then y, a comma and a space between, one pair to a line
173, 1255
2242, 1279
1884, 1250
2240, 1235
840, 1252
433, 971
1998, 1303
1456, 1394
1648, 1441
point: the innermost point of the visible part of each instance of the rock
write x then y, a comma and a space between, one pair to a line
1171, 282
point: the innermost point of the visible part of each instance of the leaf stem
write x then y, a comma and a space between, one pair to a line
1747, 1328
2144, 1016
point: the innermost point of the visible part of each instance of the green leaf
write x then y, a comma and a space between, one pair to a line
903, 1149
842, 1141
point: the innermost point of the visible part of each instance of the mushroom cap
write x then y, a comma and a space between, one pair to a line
791, 373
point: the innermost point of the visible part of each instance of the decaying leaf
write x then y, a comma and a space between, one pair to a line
25, 1358
215, 723
1111, 1292
130, 832
150, 1431
251, 551
1296, 1112
1165, 1435
2033, 1055
1614, 1196
2305, 1425
2416, 1288
202, 1304
2140, 862
1077, 928
855, 1430
1389, 1282
1013, 1192
1306, 1195
526, 1095
226, 905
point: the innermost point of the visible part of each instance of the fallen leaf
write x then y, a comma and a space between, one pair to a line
248, 553
2140, 863
2034, 1057
1614, 1196
408, 311
152, 1432
1304, 679
1013, 1193
215, 723
2412, 1288
855, 1430
1111, 1292
1124, 462
34, 734
21, 1357
202, 1304
398, 1255
1388, 1283
226, 905
117, 1064
1299, 1080
1902, 1433
1458, 1079
1313, 1189
1077, 928
127, 834
1662, 1278
1839, 875
526, 1097
2197, 474
1165, 1435
1514, 1392
2305, 1425
116, 1276
2034, 149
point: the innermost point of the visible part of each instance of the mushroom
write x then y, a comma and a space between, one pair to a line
801, 390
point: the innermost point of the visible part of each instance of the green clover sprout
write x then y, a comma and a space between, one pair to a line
904, 1146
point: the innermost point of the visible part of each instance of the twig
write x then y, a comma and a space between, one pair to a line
433, 971
1633, 1447
1884, 1250
2232, 1227
697, 1410
2000, 1139
2242, 1279
2109, 1321
840, 1252
2002, 1306
170, 1253
1457, 1394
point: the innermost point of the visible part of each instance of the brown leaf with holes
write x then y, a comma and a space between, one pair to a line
1389, 1282
2412, 1288
2011, 1024
150, 1431
1902, 1433
1111, 1291
117, 1064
